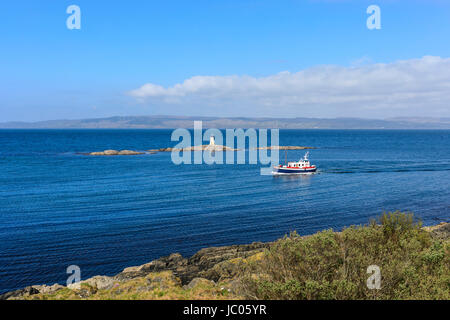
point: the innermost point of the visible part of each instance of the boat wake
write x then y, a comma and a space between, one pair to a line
337, 171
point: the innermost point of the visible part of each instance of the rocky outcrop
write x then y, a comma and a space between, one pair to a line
116, 153
284, 148
207, 266
32, 290
200, 264
440, 231
129, 153
48, 289
25, 292
225, 148
195, 148
198, 281
97, 282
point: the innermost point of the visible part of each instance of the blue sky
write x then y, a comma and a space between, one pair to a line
231, 54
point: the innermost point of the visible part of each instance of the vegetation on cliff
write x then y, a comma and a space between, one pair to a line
331, 265
414, 263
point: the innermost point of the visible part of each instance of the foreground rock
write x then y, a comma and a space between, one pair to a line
116, 153
98, 282
440, 231
32, 290
202, 264
21, 293
198, 281
203, 269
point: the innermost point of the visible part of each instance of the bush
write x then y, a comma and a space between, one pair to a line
331, 265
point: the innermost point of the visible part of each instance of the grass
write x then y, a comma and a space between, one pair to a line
155, 286
331, 265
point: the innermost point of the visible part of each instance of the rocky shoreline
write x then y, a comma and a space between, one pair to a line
213, 268
211, 264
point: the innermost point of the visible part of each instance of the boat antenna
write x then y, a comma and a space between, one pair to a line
285, 156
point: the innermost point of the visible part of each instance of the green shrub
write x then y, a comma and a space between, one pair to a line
331, 265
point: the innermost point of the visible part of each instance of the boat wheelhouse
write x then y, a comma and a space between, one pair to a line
301, 166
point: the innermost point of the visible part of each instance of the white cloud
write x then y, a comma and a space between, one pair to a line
416, 87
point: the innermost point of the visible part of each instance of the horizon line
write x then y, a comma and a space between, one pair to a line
398, 118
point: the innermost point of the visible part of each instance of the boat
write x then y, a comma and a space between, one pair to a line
301, 166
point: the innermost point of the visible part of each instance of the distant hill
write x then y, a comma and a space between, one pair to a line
171, 122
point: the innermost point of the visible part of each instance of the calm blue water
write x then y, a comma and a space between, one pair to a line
59, 208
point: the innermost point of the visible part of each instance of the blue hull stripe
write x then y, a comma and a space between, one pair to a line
281, 170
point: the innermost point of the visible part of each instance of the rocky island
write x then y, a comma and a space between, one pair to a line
285, 148
116, 153
212, 146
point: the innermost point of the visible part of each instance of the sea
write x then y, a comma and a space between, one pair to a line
59, 207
